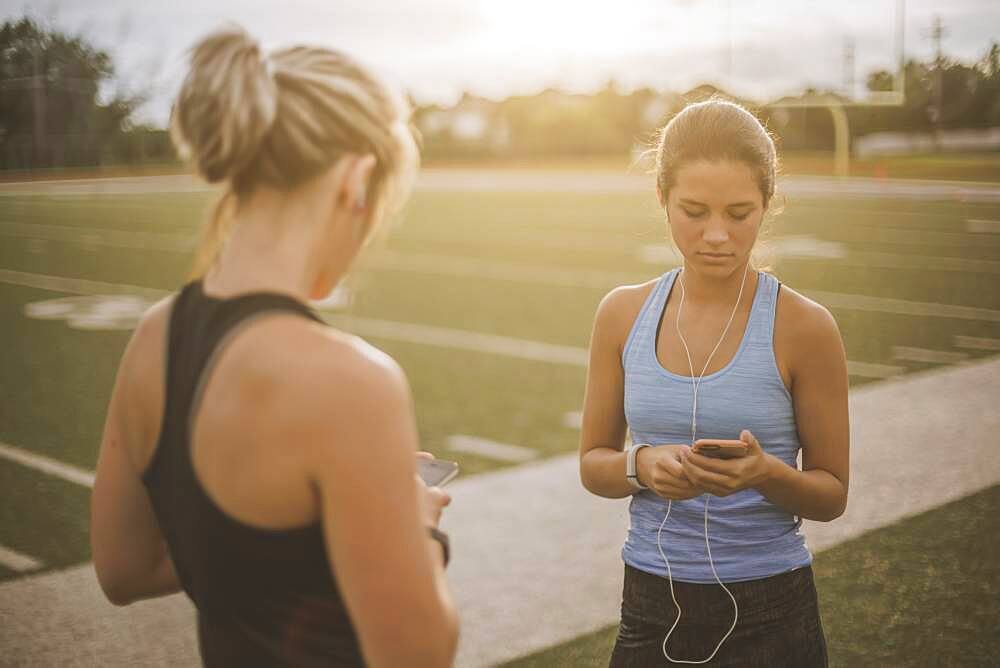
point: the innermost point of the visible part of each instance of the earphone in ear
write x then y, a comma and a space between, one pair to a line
361, 200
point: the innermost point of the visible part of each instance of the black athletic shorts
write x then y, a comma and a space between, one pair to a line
779, 622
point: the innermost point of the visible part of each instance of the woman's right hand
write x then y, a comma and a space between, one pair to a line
432, 499
659, 468
432, 502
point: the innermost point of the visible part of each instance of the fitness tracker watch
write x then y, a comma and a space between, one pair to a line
631, 472
442, 538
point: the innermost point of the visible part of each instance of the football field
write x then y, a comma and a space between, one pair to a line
484, 295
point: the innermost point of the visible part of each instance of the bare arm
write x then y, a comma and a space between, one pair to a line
128, 548
358, 426
819, 394
602, 433
602, 437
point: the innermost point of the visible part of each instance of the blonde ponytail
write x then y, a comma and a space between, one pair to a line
248, 119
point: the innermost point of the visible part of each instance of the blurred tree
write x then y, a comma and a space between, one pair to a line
50, 108
880, 80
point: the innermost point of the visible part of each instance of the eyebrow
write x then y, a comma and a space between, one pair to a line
693, 202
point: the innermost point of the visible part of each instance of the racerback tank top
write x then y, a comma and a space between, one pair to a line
264, 597
751, 537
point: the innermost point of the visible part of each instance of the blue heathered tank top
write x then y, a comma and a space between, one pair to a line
750, 536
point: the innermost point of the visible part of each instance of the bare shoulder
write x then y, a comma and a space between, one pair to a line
803, 320
619, 308
151, 331
137, 402
305, 358
806, 335
311, 378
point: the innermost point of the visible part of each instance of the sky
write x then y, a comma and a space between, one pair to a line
436, 49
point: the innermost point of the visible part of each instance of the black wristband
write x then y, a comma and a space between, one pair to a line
442, 538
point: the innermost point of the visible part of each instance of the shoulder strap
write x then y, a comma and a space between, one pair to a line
644, 329
763, 317
200, 327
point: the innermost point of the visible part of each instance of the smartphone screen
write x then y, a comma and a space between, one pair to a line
436, 472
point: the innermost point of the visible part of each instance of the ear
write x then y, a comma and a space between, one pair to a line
355, 184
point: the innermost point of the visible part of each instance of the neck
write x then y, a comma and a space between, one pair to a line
719, 290
271, 249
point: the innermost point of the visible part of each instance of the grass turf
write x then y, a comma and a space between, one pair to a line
58, 379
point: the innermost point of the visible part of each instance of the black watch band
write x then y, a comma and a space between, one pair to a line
442, 538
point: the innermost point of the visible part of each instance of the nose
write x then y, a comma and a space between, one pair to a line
715, 233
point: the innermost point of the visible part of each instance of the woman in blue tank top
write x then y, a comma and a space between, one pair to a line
715, 358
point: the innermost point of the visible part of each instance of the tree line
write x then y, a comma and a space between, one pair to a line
53, 115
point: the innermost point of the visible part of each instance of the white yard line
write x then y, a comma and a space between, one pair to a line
573, 419
47, 465
901, 306
915, 354
782, 248
75, 286
460, 339
482, 447
538, 351
976, 343
870, 370
449, 265
980, 226
15, 561
540, 180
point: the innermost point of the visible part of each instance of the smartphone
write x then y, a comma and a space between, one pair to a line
436, 472
720, 449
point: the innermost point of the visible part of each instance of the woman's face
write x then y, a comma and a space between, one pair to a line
714, 211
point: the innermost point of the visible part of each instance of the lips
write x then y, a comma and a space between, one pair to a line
716, 254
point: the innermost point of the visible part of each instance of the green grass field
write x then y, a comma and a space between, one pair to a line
924, 592
528, 266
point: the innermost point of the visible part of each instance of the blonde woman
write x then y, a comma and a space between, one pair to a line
724, 376
254, 457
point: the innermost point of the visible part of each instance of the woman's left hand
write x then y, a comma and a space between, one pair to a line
722, 477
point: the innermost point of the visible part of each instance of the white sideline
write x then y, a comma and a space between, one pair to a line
482, 447
47, 465
980, 226
976, 342
537, 351
15, 561
925, 355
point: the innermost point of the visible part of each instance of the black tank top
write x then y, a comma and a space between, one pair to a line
264, 597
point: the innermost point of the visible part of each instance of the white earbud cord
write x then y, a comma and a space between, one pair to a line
695, 383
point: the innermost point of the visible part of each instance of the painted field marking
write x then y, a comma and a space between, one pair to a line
494, 269
502, 345
15, 561
52, 467
914, 354
111, 238
483, 447
76, 286
462, 339
980, 226
871, 370
921, 262
901, 306
573, 419
976, 343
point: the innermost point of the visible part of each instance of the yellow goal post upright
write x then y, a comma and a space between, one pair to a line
837, 104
